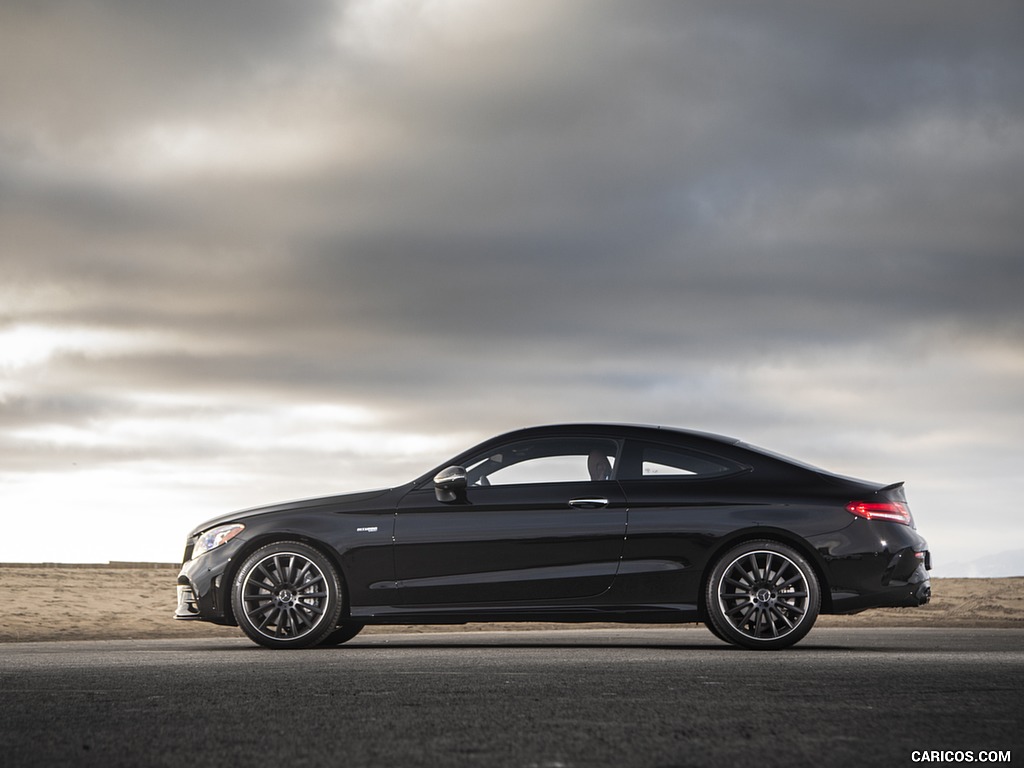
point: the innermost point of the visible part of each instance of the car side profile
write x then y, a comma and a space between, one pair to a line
567, 523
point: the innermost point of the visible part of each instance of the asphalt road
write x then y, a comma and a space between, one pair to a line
630, 697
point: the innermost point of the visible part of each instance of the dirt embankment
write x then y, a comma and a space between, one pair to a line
120, 601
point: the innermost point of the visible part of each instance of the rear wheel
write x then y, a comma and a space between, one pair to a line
762, 595
287, 595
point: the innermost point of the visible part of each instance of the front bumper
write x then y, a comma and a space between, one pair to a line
204, 588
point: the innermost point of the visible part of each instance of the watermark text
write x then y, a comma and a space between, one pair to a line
961, 756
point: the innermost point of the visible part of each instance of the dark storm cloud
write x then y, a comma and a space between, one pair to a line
684, 155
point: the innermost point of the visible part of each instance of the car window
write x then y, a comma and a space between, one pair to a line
573, 460
658, 461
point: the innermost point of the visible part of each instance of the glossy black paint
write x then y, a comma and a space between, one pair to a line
553, 551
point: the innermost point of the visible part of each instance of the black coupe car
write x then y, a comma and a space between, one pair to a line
568, 523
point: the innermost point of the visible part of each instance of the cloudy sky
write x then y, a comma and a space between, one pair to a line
253, 250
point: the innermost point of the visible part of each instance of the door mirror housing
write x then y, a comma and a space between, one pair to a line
450, 484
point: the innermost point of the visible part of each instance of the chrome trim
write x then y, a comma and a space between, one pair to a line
188, 606
589, 503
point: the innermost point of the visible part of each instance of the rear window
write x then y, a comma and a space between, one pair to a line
782, 457
659, 461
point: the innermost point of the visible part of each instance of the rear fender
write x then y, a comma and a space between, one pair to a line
774, 534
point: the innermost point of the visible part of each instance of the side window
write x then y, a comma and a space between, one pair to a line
659, 461
551, 460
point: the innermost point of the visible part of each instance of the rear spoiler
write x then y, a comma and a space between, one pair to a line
896, 493
892, 487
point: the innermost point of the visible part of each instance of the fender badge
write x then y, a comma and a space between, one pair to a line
368, 529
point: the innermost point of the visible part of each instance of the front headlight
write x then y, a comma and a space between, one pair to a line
215, 537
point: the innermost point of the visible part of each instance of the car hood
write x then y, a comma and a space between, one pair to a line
337, 501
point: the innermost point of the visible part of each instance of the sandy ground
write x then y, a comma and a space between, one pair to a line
135, 602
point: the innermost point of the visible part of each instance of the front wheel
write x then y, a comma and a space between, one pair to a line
287, 595
762, 595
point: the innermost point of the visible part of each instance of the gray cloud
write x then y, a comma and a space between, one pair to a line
793, 223
74, 71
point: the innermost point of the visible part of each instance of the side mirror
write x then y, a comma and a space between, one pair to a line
449, 484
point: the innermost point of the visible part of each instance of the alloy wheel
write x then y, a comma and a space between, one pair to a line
287, 596
765, 596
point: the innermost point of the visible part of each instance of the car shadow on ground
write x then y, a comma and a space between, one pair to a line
436, 645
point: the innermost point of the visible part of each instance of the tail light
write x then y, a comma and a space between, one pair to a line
889, 511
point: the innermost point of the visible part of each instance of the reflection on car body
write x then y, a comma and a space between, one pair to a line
576, 523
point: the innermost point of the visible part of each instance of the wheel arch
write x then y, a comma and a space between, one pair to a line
272, 537
767, 533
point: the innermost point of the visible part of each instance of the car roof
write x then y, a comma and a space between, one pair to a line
601, 429
649, 431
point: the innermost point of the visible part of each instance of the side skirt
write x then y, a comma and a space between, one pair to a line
639, 614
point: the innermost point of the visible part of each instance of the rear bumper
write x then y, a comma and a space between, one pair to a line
908, 590
896, 595
880, 565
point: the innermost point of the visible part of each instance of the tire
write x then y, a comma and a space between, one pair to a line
287, 595
762, 595
714, 631
345, 632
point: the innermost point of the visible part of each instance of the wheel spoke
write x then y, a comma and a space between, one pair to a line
292, 625
313, 608
755, 570
255, 598
736, 597
792, 609
274, 620
779, 576
267, 577
781, 615
791, 580
318, 579
737, 608
755, 620
760, 626
765, 621
262, 608
287, 623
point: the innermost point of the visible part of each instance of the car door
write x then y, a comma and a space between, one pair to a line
539, 520
681, 501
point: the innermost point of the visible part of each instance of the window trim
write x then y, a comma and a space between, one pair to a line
619, 444
632, 456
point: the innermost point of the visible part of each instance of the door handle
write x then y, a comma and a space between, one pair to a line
588, 503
